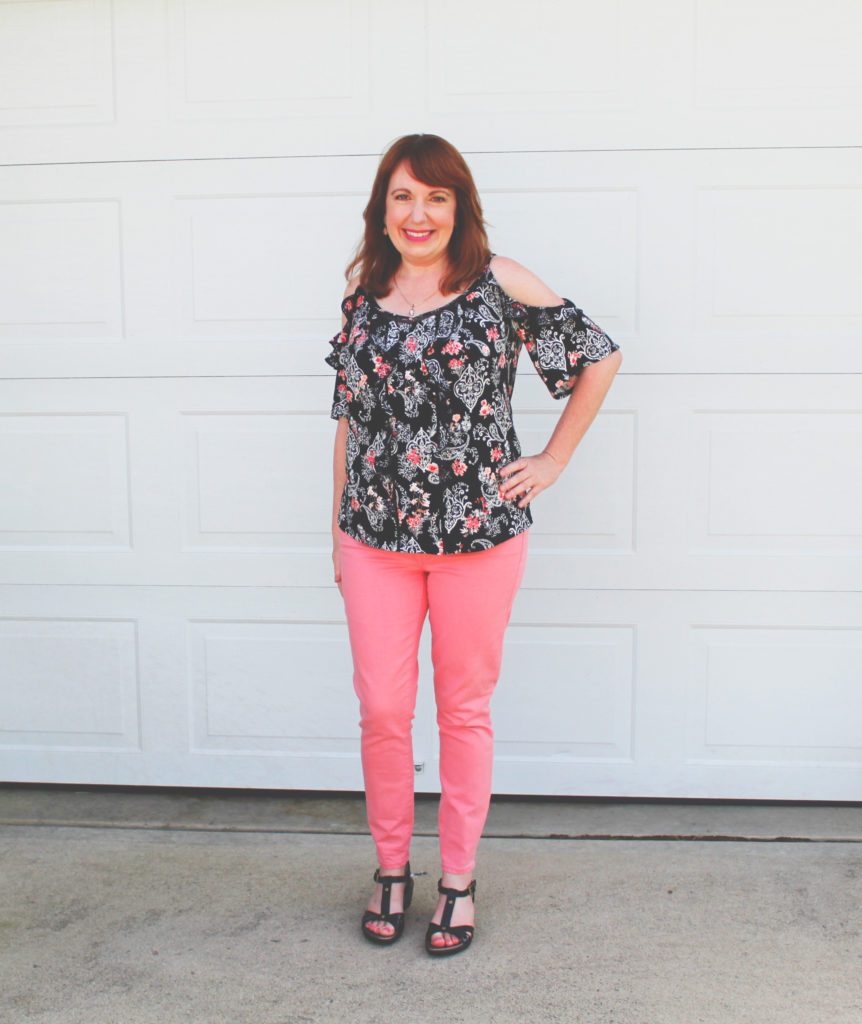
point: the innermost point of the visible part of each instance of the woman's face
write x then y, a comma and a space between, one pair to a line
419, 218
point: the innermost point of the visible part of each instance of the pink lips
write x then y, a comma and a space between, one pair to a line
416, 236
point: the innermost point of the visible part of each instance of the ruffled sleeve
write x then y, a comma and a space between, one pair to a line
335, 359
561, 341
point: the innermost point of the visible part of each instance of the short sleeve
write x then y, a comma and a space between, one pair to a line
335, 359
561, 341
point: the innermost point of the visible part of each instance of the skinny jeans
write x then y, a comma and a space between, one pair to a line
468, 598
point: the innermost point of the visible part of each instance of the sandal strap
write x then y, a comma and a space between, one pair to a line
463, 933
460, 931
387, 881
469, 891
391, 879
371, 915
446, 917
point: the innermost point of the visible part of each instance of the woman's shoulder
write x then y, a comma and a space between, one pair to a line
351, 299
521, 284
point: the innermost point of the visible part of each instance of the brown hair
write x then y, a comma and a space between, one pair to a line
434, 162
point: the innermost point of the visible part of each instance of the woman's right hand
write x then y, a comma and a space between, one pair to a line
336, 558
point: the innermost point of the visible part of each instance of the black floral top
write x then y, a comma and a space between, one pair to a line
429, 409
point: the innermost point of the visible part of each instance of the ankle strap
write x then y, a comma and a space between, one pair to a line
392, 879
457, 893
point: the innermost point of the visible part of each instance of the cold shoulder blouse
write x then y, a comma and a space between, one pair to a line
428, 402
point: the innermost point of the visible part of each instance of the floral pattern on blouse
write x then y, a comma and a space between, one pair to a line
429, 408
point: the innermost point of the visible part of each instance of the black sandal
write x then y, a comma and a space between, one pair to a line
463, 932
396, 920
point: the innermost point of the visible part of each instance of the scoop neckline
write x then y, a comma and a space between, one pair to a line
430, 312
416, 316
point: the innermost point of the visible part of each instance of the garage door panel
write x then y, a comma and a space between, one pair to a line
247, 692
559, 71
586, 726
774, 480
238, 277
759, 291
47, 291
749, 59
66, 482
72, 38
753, 265
69, 684
585, 710
783, 695
246, 480
228, 61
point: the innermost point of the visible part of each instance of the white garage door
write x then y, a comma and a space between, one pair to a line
181, 186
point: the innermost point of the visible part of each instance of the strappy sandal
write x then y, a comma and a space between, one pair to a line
396, 920
463, 932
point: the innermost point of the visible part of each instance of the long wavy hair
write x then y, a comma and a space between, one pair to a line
436, 163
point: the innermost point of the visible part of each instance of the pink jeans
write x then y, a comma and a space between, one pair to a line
469, 598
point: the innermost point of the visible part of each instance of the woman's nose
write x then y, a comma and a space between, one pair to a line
417, 211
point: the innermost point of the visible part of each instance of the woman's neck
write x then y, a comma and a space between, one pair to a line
409, 270
416, 287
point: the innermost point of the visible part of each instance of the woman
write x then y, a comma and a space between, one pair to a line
432, 495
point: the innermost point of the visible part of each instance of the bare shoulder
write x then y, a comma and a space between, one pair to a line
352, 285
522, 284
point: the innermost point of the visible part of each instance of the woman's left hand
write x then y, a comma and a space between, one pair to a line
528, 476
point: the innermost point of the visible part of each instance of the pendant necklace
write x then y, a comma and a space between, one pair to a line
411, 312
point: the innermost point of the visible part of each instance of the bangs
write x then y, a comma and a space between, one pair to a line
435, 168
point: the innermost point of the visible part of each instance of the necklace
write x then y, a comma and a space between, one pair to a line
411, 312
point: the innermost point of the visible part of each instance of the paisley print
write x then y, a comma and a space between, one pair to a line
470, 385
428, 405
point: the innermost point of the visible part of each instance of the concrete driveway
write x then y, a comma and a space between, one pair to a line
155, 908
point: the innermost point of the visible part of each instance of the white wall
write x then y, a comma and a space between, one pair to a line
181, 185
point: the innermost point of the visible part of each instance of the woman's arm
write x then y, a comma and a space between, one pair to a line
339, 466
530, 475
339, 479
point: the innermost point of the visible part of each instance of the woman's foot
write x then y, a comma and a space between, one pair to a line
458, 930
383, 920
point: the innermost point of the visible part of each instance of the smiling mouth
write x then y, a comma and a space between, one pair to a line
417, 236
